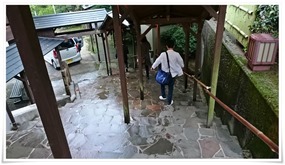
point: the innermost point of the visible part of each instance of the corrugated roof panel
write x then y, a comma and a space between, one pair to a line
71, 18
14, 63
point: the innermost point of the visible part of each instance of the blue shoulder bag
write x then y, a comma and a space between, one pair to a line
162, 77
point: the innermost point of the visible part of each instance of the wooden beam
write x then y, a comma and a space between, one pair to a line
23, 29
98, 52
11, 117
83, 31
145, 32
216, 63
124, 16
211, 11
27, 87
138, 35
158, 40
186, 30
108, 52
197, 57
119, 46
193, 33
105, 54
162, 21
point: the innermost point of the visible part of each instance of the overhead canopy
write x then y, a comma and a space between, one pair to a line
70, 18
168, 14
108, 22
13, 61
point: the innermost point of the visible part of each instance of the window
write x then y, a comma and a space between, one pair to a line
66, 44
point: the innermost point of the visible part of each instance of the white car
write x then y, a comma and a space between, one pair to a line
69, 51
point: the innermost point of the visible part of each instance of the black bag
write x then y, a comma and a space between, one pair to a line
162, 77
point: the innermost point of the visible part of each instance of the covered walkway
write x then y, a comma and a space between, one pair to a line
95, 128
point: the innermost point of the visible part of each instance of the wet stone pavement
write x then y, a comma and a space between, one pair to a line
95, 129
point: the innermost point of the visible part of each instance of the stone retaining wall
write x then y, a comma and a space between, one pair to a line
237, 90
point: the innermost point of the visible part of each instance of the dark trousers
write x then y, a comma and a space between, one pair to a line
147, 71
170, 90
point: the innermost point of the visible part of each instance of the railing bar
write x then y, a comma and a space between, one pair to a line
257, 132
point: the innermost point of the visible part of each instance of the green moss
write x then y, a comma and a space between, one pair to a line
253, 95
267, 84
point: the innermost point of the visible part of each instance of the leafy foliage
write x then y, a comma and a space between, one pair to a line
107, 7
176, 33
40, 10
267, 20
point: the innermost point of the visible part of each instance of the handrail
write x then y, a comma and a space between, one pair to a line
258, 133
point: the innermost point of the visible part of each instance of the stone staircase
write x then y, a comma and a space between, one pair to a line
95, 129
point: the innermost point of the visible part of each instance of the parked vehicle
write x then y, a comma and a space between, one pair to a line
69, 51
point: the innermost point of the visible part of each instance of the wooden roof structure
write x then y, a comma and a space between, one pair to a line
168, 14
23, 29
156, 16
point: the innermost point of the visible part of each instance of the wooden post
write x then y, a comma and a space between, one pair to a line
216, 63
92, 43
12, 119
197, 58
63, 73
98, 52
158, 41
27, 87
23, 29
118, 38
104, 47
186, 27
139, 54
108, 53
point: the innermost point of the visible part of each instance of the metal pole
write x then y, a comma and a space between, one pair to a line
118, 39
216, 63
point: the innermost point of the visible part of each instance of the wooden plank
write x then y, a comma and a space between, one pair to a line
23, 28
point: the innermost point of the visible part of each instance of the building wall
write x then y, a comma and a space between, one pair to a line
238, 20
237, 89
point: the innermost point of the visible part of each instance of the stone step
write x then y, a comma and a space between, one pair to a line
167, 133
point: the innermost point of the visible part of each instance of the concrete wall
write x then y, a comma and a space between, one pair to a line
238, 19
237, 90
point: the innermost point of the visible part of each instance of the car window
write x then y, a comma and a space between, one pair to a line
66, 44
75, 39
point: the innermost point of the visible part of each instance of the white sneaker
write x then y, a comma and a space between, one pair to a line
171, 102
162, 98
